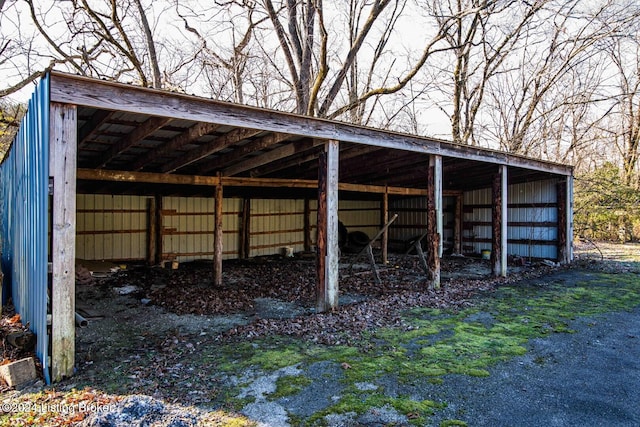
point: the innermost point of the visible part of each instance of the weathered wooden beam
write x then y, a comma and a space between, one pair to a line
287, 150
138, 134
433, 238
66, 88
565, 233
569, 224
240, 152
561, 194
169, 148
212, 181
146, 177
217, 237
385, 235
62, 166
437, 176
499, 223
327, 240
302, 161
306, 160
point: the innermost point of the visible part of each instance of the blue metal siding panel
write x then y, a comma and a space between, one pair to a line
25, 174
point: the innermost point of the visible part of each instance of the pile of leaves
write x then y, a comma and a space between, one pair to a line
189, 290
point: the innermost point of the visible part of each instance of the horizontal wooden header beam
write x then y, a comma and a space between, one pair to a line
212, 181
77, 90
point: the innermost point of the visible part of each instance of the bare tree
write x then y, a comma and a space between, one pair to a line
625, 56
481, 35
331, 75
113, 40
556, 74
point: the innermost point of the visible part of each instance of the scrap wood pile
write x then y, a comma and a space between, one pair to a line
18, 342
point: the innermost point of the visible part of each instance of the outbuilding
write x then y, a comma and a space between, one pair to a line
109, 171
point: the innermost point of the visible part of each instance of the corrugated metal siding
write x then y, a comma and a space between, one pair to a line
188, 224
111, 227
25, 183
361, 216
276, 224
532, 213
543, 210
115, 227
412, 219
476, 208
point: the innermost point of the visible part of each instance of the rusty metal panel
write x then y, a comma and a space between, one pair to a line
25, 226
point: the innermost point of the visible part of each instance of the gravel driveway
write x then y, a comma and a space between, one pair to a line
589, 378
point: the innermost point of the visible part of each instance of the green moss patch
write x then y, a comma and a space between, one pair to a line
436, 343
288, 385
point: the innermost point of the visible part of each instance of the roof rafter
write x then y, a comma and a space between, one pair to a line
141, 132
240, 152
212, 147
276, 154
196, 131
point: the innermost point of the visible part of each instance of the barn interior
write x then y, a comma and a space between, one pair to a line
148, 179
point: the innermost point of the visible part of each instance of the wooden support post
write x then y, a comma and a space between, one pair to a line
307, 225
327, 241
457, 226
385, 235
569, 223
437, 176
152, 231
217, 239
433, 238
565, 232
372, 261
244, 250
499, 223
62, 166
561, 192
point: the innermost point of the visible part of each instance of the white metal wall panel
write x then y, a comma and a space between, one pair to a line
538, 207
231, 218
276, 224
412, 218
188, 224
360, 215
111, 227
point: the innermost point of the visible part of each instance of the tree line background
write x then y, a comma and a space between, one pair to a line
553, 79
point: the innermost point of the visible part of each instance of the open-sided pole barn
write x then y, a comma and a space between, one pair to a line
101, 170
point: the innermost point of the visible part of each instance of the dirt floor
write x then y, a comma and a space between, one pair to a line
164, 347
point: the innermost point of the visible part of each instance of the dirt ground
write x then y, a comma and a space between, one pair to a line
160, 344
